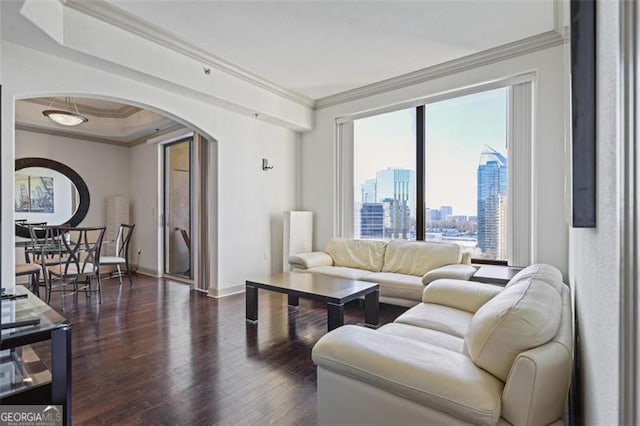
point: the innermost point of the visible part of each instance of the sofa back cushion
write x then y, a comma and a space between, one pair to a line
360, 254
541, 271
523, 316
419, 257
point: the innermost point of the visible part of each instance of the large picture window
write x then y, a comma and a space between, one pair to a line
384, 170
466, 163
438, 172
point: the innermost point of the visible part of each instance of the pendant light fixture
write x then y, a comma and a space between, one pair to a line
65, 116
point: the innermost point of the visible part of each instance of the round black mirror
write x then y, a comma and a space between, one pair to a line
48, 191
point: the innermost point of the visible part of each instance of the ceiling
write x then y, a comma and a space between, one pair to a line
321, 48
313, 48
109, 122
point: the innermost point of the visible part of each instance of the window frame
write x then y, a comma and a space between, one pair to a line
520, 182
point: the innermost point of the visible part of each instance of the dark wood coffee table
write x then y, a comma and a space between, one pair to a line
335, 292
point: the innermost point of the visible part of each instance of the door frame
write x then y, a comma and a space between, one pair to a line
163, 204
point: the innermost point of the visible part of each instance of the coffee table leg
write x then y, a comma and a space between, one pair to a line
335, 315
371, 305
252, 303
293, 300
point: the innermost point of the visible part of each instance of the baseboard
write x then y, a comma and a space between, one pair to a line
228, 291
147, 272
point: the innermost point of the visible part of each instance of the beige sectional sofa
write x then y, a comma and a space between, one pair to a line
401, 268
470, 353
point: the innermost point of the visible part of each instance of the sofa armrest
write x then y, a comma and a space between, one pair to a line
455, 271
465, 295
310, 260
438, 378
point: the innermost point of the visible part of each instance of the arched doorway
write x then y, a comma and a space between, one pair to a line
126, 139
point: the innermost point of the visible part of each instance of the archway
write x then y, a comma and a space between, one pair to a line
148, 240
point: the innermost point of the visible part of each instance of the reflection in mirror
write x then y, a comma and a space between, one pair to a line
48, 192
44, 195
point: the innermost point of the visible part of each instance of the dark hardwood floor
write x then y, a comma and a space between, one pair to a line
158, 353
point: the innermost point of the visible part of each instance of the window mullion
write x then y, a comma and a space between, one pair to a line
420, 172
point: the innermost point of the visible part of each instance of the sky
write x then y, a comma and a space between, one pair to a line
456, 132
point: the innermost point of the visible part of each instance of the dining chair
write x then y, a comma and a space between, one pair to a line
41, 236
80, 261
122, 252
41, 250
33, 271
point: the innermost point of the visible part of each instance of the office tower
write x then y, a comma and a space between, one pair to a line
396, 189
372, 220
369, 191
492, 194
446, 212
436, 216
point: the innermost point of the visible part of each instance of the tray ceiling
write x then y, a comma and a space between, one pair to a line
109, 122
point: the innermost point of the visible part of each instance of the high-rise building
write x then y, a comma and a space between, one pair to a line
369, 191
372, 220
492, 200
398, 223
446, 212
396, 189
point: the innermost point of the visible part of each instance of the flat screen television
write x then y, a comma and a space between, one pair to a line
583, 113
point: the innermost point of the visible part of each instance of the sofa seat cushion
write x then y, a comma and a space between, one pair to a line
425, 335
340, 272
437, 317
397, 285
423, 373
523, 316
419, 257
359, 254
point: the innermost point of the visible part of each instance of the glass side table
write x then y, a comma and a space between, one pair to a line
24, 379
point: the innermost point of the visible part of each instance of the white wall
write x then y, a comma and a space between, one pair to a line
595, 252
144, 171
251, 201
104, 168
550, 235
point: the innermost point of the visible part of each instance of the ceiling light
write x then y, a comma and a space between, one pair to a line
66, 116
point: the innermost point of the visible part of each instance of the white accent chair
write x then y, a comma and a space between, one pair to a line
122, 252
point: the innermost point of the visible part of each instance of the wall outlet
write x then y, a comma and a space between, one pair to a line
267, 255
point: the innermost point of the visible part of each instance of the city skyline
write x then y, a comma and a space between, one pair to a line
456, 132
389, 209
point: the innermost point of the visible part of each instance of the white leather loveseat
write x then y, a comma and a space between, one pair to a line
471, 353
401, 268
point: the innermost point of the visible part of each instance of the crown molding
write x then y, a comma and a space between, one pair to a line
120, 18
102, 10
497, 54
122, 112
91, 138
65, 134
145, 138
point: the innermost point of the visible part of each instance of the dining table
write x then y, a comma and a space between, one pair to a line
43, 248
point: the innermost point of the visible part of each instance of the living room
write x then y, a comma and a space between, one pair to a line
75, 49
